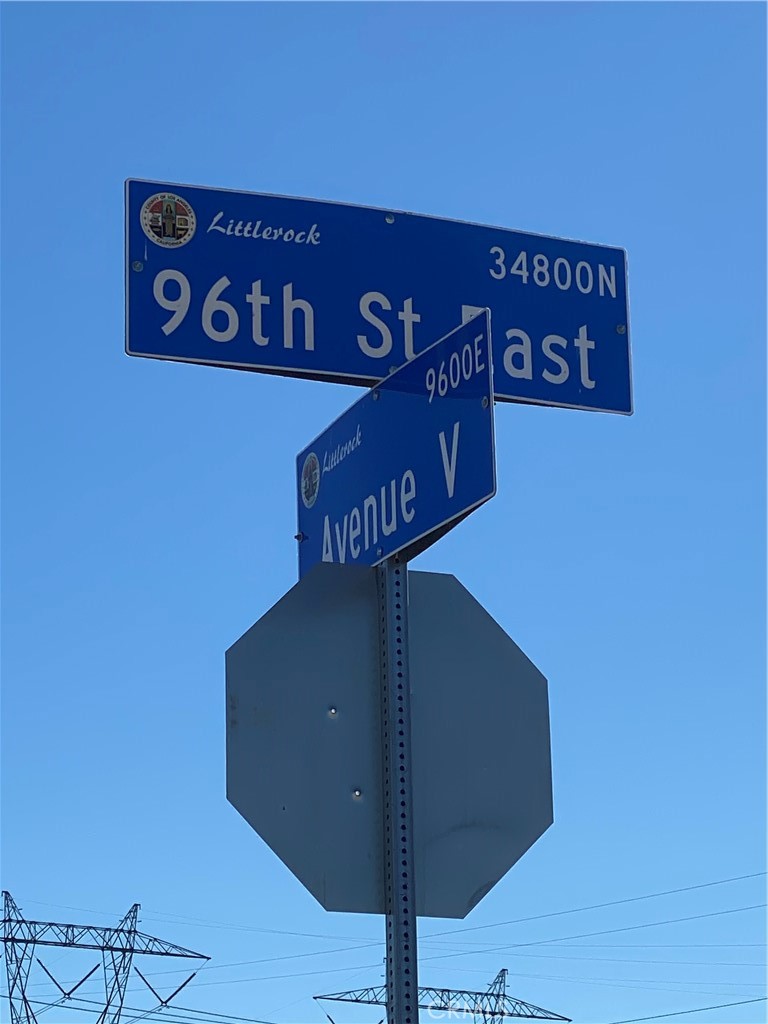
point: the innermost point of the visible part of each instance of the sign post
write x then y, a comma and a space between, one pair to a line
397, 774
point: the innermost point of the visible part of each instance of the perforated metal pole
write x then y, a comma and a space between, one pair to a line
402, 974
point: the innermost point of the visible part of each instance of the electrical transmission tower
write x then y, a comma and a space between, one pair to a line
116, 945
489, 1007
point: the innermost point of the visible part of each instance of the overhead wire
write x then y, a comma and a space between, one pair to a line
635, 984
599, 906
509, 947
621, 960
162, 916
169, 1013
681, 1013
640, 981
606, 931
663, 945
442, 956
487, 948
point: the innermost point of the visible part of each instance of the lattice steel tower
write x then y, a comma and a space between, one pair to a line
489, 1007
117, 947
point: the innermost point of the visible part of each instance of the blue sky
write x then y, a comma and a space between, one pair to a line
149, 508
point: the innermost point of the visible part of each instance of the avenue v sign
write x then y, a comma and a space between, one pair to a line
407, 461
331, 291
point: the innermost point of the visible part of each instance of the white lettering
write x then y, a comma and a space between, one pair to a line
327, 546
583, 344
290, 305
372, 535
466, 362
409, 318
521, 347
354, 533
563, 281
369, 299
449, 465
584, 288
388, 527
180, 306
341, 540
562, 376
407, 494
348, 530
213, 304
479, 364
249, 230
604, 278
256, 301
333, 458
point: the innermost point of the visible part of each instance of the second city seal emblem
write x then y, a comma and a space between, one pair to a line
168, 220
310, 480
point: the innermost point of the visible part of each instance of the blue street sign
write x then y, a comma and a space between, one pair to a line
335, 292
407, 461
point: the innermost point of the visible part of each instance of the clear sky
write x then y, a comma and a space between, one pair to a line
149, 508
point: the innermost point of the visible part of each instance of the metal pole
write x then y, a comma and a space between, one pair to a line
400, 904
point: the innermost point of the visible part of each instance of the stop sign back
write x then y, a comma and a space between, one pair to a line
304, 762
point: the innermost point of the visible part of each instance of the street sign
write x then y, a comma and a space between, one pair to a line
407, 461
304, 741
336, 292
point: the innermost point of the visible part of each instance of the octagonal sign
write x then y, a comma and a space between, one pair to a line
304, 741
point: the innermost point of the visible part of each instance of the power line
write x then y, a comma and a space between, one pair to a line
443, 956
465, 943
702, 986
172, 1014
162, 916
269, 960
199, 922
599, 906
680, 1013
287, 956
544, 956
623, 960
512, 947
606, 931
636, 983
301, 974
645, 981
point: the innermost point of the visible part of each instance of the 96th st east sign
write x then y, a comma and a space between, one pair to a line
344, 293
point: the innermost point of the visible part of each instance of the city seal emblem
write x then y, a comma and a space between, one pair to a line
168, 220
310, 480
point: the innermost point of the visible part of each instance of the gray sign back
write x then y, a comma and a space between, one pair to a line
304, 741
